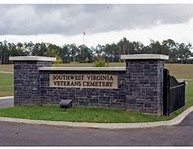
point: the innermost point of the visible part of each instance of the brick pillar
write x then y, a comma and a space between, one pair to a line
144, 82
26, 78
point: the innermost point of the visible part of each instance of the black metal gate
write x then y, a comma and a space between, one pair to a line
173, 93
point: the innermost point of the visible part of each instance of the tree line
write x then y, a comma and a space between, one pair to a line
178, 52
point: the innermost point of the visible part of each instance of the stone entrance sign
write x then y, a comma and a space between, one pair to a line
104, 81
136, 87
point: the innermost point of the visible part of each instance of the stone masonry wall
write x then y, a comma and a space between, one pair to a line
140, 87
145, 86
26, 82
84, 96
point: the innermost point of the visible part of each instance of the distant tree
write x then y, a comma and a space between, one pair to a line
29, 47
74, 52
123, 46
183, 52
178, 52
65, 54
85, 55
4, 52
172, 48
39, 49
97, 51
21, 49
127, 47
112, 53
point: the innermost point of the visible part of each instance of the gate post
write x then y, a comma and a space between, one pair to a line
144, 82
166, 91
27, 78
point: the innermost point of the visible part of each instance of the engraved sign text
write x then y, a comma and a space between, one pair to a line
84, 81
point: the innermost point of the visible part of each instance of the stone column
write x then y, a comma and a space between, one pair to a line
144, 82
27, 78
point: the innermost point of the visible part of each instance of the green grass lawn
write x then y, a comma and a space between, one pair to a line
6, 84
189, 93
54, 113
181, 71
86, 114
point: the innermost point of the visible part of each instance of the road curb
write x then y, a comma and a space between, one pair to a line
171, 122
6, 97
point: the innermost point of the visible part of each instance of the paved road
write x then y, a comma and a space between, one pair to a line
14, 134
6, 103
188, 121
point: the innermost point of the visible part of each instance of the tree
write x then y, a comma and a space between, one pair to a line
21, 49
74, 52
112, 53
172, 49
98, 51
29, 47
85, 55
183, 52
123, 46
65, 54
178, 52
39, 49
4, 52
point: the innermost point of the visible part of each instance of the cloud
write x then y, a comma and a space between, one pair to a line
177, 32
70, 20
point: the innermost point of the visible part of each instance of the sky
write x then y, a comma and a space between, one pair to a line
93, 24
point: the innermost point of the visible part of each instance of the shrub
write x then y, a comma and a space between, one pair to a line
100, 62
58, 61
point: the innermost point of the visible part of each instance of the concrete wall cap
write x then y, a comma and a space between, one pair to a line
82, 68
144, 56
32, 58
